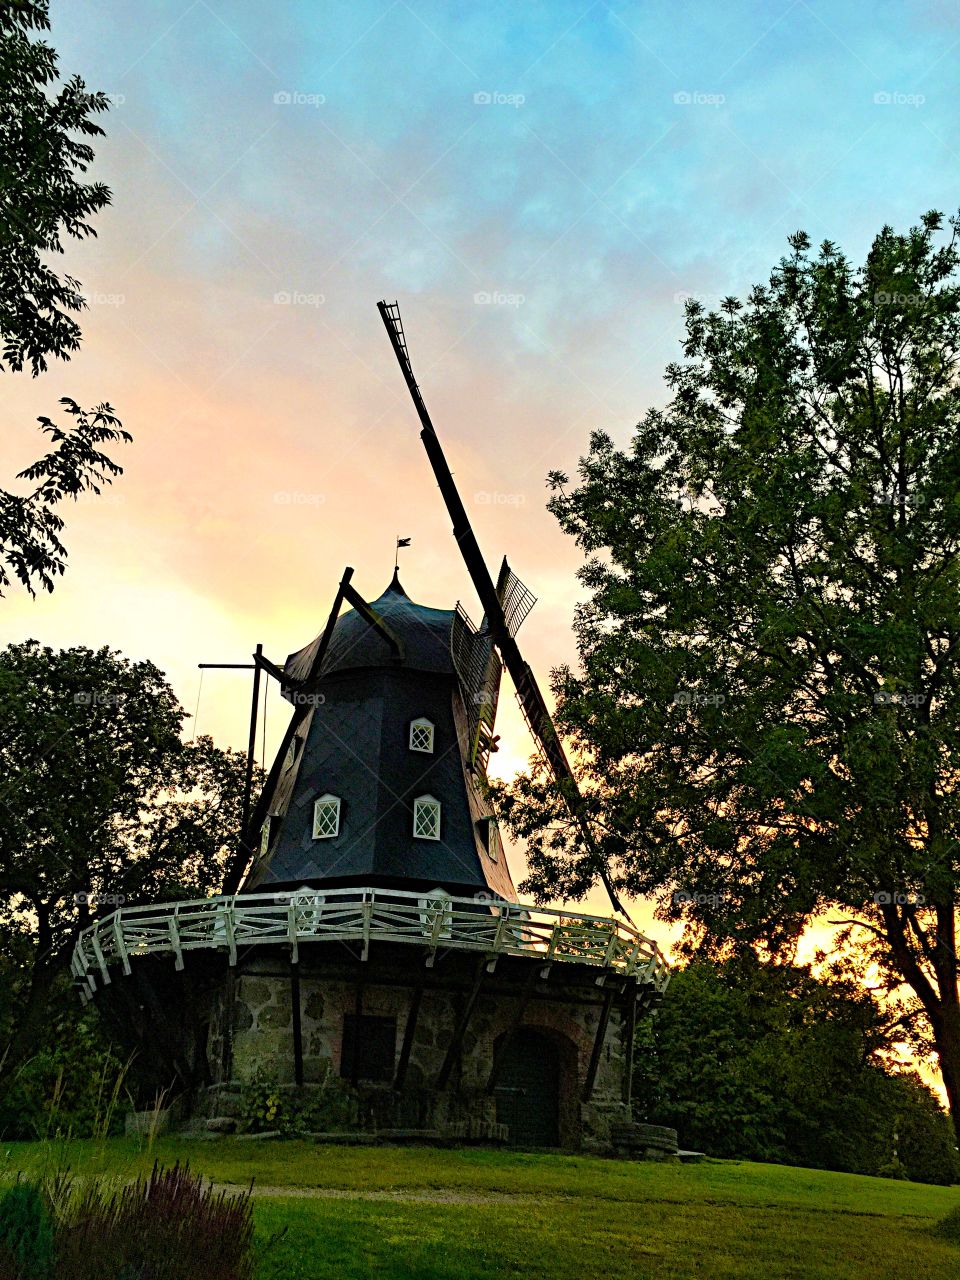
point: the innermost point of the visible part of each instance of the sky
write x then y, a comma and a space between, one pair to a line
540, 185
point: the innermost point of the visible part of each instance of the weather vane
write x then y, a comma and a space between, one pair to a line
401, 542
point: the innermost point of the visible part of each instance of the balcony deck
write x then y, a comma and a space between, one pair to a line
366, 917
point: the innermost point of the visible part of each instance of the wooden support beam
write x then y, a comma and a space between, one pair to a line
357, 1033
456, 1040
526, 995
226, 1026
409, 1031
629, 1036
297, 1022
598, 1044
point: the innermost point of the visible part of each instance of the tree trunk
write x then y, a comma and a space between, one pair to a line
946, 1034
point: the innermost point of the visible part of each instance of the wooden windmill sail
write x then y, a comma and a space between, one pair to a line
505, 604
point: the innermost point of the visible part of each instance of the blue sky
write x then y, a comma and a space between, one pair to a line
540, 242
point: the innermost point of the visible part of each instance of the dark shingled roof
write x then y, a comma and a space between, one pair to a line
355, 745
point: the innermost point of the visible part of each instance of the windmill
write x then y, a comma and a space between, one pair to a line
505, 603
368, 927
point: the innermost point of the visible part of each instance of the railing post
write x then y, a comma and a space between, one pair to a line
104, 971
121, 946
175, 938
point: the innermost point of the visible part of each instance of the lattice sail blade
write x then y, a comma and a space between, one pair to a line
516, 599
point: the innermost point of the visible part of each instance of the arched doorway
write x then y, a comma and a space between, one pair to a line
528, 1088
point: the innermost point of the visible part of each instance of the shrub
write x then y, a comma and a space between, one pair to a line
949, 1226
26, 1234
330, 1106
167, 1227
73, 1087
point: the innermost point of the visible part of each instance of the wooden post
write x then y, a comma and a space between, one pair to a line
629, 1035
357, 1036
409, 1032
456, 1040
297, 1024
598, 1044
227, 1016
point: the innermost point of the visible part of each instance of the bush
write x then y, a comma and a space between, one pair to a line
73, 1087
328, 1107
949, 1227
169, 1227
26, 1234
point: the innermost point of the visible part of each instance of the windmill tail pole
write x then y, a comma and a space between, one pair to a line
528, 691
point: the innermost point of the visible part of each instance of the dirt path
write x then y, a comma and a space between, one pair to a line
432, 1195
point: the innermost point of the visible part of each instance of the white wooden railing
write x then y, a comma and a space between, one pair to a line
365, 917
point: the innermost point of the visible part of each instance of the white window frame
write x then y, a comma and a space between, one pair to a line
436, 913
423, 802
327, 801
492, 838
422, 723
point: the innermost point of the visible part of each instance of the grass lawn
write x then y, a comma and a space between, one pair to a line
550, 1217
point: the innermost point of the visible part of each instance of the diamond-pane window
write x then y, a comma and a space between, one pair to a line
326, 817
421, 735
426, 818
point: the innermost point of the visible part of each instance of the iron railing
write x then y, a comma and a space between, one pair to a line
365, 917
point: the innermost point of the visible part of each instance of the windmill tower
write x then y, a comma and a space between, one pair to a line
369, 925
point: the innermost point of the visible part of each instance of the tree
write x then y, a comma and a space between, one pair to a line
766, 1062
43, 201
101, 802
768, 707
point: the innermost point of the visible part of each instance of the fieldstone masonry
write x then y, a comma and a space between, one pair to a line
251, 1036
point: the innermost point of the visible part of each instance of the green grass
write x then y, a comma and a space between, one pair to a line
557, 1217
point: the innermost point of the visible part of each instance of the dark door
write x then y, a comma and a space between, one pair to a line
528, 1090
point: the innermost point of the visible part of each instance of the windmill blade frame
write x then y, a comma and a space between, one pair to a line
532, 703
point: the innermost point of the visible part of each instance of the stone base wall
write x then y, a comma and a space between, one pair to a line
251, 1035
